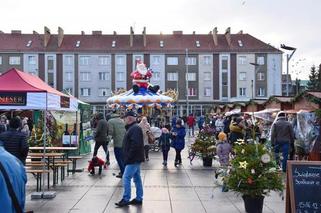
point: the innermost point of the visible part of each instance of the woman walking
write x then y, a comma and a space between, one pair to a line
146, 128
178, 137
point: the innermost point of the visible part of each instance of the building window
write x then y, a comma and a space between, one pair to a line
207, 60
103, 60
120, 60
50, 65
85, 76
191, 91
31, 60
14, 60
190, 61
260, 76
242, 60
207, 76
68, 60
172, 76
84, 60
103, 76
0, 59
224, 85
156, 76
242, 91
261, 92
102, 92
68, 90
224, 62
85, 91
68, 76
172, 61
207, 91
260, 60
191, 76
156, 60
51, 79
120, 76
242, 76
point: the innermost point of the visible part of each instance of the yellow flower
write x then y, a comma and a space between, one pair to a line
243, 164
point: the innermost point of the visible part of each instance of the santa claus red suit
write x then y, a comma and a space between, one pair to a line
141, 78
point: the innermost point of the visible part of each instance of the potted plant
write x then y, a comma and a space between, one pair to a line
253, 174
204, 146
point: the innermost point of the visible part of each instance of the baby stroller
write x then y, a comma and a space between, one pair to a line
157, 132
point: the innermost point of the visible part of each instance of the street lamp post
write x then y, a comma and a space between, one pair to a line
288, 57
186, 63
257, 67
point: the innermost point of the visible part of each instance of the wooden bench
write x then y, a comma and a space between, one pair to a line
38, 174
74, 164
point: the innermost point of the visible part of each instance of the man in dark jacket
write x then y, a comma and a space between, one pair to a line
282, 135
101, 136
14, 141
133, 151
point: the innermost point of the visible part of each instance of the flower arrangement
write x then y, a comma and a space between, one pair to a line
204, 145
253, 172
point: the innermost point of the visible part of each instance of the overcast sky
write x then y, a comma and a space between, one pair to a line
296, 23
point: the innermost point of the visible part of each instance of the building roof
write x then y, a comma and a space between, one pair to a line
315, 94
175, 43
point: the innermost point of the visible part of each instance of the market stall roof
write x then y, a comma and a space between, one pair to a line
31, 93
15, 80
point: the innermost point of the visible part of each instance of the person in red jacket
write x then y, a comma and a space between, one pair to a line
96, 162
191, 123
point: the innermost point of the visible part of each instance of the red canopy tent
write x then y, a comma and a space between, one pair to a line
20, 90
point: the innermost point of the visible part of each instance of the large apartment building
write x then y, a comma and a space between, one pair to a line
209, 68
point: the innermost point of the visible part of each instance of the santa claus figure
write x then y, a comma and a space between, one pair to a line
141, 78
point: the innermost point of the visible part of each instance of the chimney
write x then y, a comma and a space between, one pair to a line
194, 32
96, 32
60, 36
1, 32
16, 32
83, 33
177, 32
115, 33
240, 32
35, 32
46, 36
144, 37
131, 37
228, 36
215, 39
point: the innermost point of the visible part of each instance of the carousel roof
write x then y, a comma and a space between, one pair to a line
142, 98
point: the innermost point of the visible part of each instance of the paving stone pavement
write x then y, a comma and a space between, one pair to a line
189, 188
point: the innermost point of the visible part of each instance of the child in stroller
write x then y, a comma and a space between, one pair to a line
157, 132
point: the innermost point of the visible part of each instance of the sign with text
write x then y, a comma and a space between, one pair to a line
13, 98
303, 187
64, 102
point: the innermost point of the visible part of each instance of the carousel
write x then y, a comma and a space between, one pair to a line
145, 98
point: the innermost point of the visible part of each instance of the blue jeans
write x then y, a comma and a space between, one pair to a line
119, 158
132, 171
284, 148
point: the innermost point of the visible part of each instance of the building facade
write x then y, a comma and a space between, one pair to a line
204, 68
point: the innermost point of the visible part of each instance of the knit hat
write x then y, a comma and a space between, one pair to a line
222, 136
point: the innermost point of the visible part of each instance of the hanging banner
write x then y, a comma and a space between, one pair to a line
13, 99
64, 102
